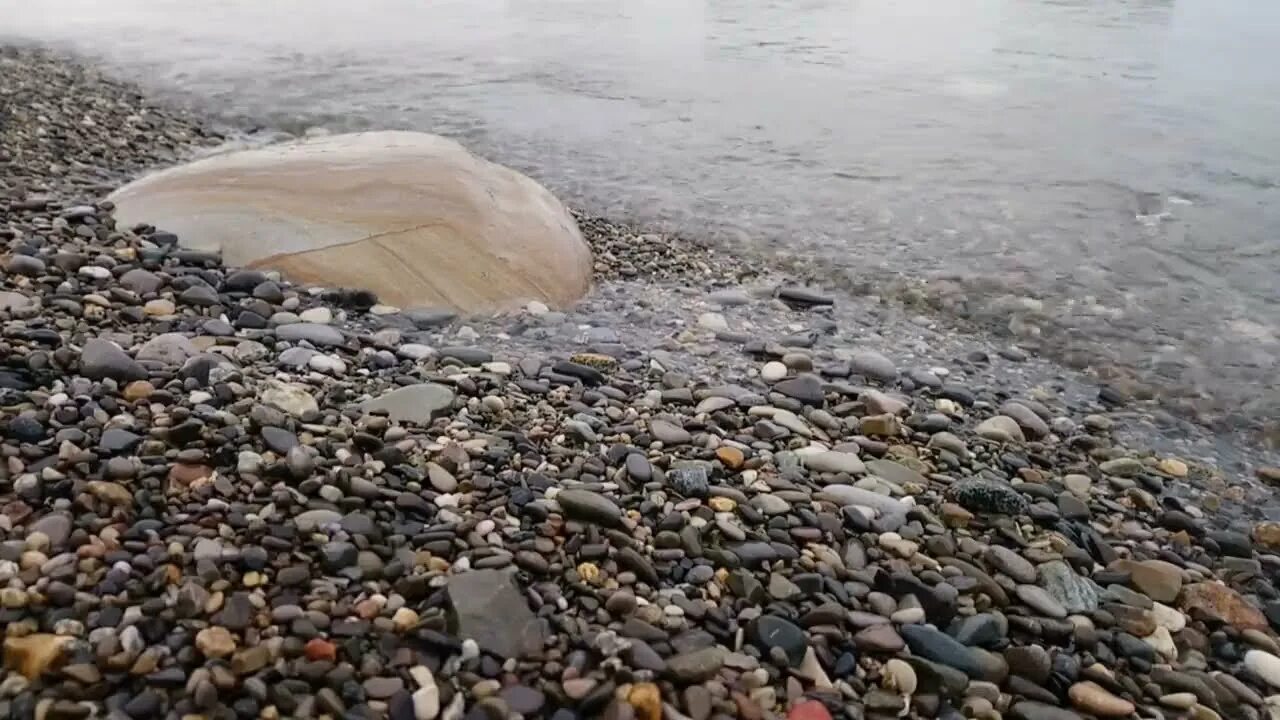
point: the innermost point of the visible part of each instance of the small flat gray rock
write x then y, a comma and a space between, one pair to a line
419, 404
488, 607
102, 359
314, 333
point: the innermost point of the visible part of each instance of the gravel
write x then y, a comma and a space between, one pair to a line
258, 503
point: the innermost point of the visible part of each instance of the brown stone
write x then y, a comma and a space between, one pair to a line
1156, 579
318, 649
34, 655
747, 708
1132, 620
879, 638
1217, 602
215, 642
111, 493
1269, 475
138, 390
250, 660
1097, 700
646, 699
183, 477
884, 425
1267, 534
955, 516
730, 457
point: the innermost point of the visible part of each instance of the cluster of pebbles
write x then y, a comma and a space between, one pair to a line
226, 496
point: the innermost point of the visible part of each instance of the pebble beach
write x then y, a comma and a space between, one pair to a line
710, 490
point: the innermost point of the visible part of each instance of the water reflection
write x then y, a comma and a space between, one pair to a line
1117, 160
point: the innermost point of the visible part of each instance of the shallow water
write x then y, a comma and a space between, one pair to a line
1118, 162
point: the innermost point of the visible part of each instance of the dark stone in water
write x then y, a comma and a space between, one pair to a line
805, 388
587, 374
1232, 544
427, 318
467, 355
802, 297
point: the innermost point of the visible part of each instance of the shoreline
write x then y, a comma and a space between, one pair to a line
662, 464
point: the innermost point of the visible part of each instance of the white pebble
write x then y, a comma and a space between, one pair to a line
321, 315
470, 650
714, 322
773, 371
1264, 665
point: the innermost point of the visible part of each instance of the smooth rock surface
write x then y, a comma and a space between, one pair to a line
413, 217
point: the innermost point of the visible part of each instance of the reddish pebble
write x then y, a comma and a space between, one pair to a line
319, 649
809, 710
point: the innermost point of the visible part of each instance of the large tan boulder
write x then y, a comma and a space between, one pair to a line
412, 216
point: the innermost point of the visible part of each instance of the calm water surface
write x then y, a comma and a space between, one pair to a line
1108, 172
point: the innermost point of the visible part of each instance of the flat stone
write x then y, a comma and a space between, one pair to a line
850, 495
441, 479
1041, 601
932, 644
803, 297
1000, 428
279, 440
1029, 661
315, 333
1157, 579
419, 404
1011, 563
589, 506
488, 607
1122, 467
143, 282
769, 631
102, 359
873, 365
1094, 699
669, 433
55, 526
1221, 604
312, 519
1031, 424
806, 388
879, 638
830, 461
1077, 594
896, 473
697, 666
981, 630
